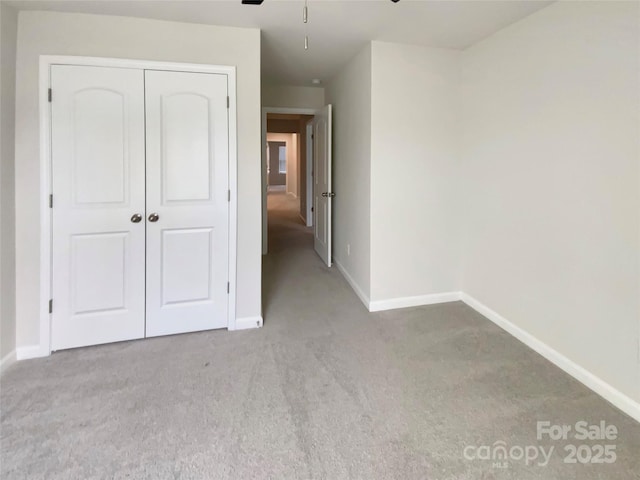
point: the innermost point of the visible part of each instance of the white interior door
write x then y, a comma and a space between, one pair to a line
187, 201
98, 188
322, 194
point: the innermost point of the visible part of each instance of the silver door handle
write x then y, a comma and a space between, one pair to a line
327, 194
136, 218
154, 217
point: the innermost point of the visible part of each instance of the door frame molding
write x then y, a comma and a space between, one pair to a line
263, 168
46, 233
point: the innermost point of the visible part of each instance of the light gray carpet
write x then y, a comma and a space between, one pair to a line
325, 391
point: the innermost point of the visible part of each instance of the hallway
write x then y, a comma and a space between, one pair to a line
325, 390
285, 223
291, 251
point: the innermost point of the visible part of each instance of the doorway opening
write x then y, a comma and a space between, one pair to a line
297, 196
311, 138
289, 174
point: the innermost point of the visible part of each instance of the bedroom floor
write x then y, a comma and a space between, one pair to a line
324, 390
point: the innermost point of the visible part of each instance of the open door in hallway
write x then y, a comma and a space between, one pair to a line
322, 194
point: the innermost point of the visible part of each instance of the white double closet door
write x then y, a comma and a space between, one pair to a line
140, 203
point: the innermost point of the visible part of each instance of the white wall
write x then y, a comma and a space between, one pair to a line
120, 37
550, 176
350, 94
8, 33
414, 241
292, 97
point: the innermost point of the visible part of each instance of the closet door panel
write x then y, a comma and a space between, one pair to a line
187, 160
187, 203
98, 177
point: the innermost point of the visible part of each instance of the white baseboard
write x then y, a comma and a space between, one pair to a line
247, 323
590, 380
7, 360
403, 302
32, 351
599, 386
354, 285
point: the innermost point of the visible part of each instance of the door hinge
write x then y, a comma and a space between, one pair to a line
51, 305
228, 195
228, 287
50, 95
51, 200
227, 101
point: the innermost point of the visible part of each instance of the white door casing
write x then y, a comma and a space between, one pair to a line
187, 131
322, 193
98, 181
309, 178
265, 163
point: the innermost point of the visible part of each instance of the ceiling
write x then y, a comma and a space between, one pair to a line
337, 30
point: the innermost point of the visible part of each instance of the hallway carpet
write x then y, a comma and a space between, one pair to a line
325, 390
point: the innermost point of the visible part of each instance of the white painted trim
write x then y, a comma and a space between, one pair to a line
354, 285
247, 323
587, 378
45, 212
309, 179
404, 302
233, 201
137, 64
7, 360
46, 61
590, 380
264, 184
32, 351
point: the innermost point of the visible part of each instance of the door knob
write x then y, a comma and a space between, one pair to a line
327, 194
154, 217
136, 218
